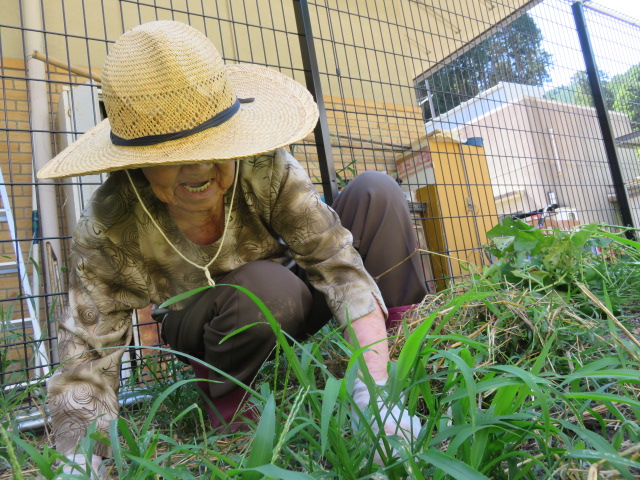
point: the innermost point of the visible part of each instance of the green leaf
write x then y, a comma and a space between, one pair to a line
124, 430
240, 330
160, 400
605, 397
503, 401
598, 444
165, 473
526, 241
330, 396
451, 466
42, 461
115, 446
455, 337
582, 236
509, 227
466, 372
543, 356
503, 243
621, 239
536, 276
183, 296
612, 458
273, 471
622, 374
533, 382
263, 440
595, 366
410, 354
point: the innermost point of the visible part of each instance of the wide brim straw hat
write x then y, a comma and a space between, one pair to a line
171, 99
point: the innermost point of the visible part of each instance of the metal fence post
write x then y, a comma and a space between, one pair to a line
603, 115
312, 76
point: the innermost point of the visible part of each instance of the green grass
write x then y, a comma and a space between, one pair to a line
527, 370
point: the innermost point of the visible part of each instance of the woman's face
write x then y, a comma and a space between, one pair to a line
192, 187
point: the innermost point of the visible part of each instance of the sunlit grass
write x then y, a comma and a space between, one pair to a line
527, 379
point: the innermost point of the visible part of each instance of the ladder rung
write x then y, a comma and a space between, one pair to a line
19, 324
8, 267
21, 320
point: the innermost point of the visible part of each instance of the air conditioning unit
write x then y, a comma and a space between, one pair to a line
79, 109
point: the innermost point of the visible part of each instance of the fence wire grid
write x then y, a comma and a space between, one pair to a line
480, 110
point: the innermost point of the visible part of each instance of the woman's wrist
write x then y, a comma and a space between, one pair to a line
370, 331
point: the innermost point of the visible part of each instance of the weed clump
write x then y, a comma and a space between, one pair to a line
527, 369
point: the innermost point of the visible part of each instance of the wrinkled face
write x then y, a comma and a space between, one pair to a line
192, 187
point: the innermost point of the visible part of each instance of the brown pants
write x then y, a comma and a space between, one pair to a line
374, 209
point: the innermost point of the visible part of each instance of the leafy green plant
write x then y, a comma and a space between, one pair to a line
511, 379
608, 264
546, 261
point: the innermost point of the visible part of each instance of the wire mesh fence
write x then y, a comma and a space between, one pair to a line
479, 110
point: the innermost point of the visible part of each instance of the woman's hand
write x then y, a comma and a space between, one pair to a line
371, 330
396, 420
81, 462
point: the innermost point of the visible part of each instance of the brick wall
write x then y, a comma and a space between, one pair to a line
17, 170
15, 154
15, 150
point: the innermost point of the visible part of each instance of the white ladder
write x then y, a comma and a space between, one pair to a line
40, 355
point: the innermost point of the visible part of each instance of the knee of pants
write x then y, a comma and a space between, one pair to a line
282, 292
378, 182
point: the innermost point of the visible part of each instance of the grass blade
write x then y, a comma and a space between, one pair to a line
183, 296
165, 473
604, 397
263, 440
614, 459
329, 399
161, 398
42, 461
273, 471
451, 466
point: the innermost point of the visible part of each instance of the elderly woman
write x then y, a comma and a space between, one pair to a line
203, 192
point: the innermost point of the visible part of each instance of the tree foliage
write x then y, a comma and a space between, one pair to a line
624, 89
578, 91
622, 92
512, 54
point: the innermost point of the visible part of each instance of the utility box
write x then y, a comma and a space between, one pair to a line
452, 179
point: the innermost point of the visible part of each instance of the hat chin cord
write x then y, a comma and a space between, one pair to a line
204, 268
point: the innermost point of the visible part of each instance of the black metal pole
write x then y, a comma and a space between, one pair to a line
603, 116
312, 76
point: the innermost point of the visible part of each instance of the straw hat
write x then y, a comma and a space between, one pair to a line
170, 99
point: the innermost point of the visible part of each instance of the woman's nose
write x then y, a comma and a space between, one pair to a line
196, 167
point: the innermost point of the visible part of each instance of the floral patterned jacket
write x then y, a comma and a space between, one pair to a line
121, 262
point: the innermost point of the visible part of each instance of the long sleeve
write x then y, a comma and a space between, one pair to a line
319, 243
105, 287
